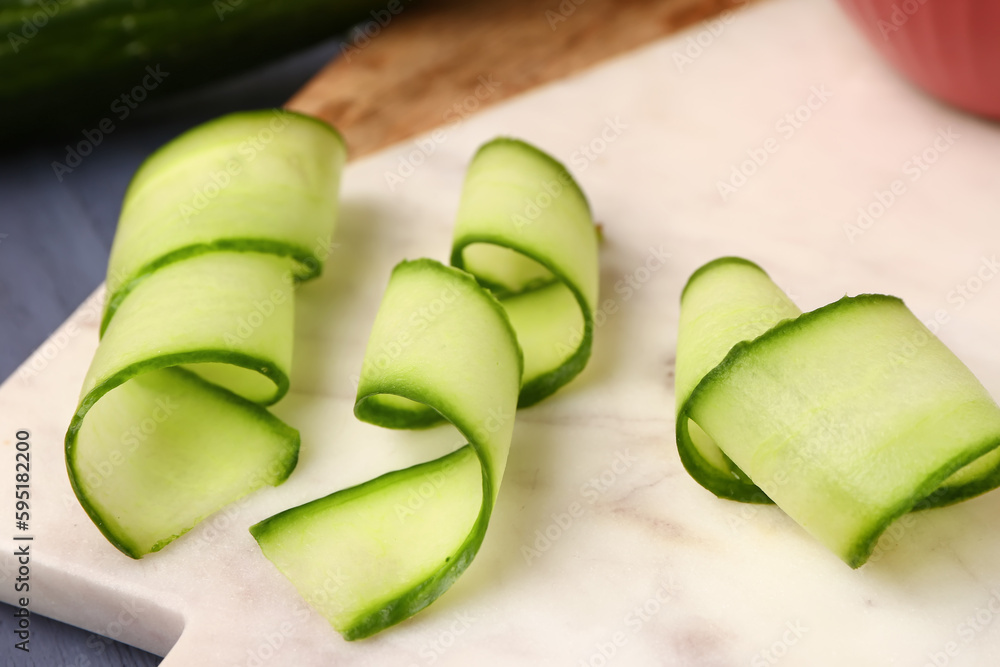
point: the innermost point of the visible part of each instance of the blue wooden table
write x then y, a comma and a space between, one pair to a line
55, 236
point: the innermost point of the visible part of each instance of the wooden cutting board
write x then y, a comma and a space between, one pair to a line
428, 64
650, 569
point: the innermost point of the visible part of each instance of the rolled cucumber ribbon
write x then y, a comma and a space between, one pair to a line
525, 230
215, 228
465, 365
846, 417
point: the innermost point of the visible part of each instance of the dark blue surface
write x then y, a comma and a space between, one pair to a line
54, 242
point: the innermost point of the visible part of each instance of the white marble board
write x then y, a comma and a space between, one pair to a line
651, 569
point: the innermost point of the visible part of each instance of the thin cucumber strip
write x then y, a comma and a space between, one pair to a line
978, 477
548, 321
524, 225
373, 555
167, 436
229, 307
847, 416
216, 228
727, 301
264, 181
399, 541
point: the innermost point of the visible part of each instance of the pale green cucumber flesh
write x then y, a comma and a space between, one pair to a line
263, 181
726, 301
524, 229
553, 334
212, 296
976, 478
396, 543
217, 307
165, 435
355, 554
294, 259
827, 415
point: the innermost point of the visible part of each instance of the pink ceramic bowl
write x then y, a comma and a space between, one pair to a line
951, 48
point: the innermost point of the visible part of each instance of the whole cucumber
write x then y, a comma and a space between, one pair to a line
66, 64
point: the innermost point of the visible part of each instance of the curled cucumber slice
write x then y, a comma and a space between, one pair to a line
264, 181
847, 416
464, 365
524, 229
215, 228
725, 302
